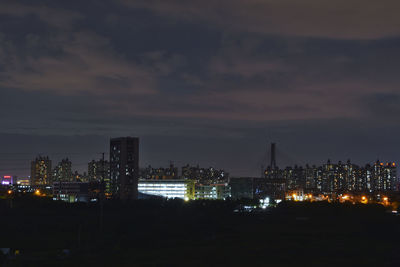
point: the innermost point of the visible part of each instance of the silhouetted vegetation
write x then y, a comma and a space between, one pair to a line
198, 233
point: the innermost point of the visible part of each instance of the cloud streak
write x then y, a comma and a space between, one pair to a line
55, 17
85, 63
343, 19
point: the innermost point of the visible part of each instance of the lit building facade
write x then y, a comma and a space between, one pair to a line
212, 191
336, 178
63, 171
204, 175
124, 168
296, 195
23, 181
183, 189
8, 180
98, 170
41, 171
384, 177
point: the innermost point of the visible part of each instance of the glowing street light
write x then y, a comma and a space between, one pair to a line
364, 199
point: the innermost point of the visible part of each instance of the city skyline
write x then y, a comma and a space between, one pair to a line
21, 169
209, 84
87, 167
120, 178
199, 132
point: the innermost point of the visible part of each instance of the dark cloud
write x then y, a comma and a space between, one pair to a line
354, 19
85, 61
209, 81
55, 17
383, 107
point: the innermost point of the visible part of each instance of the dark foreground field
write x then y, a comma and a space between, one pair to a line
199, 233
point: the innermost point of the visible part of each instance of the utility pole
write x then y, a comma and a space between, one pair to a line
101, 198
262, 171
273, 156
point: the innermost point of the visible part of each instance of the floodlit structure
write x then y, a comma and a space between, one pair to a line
297, 195
183, 189
23, 182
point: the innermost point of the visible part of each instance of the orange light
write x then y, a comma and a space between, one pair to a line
385, 199
9, 192
363, 198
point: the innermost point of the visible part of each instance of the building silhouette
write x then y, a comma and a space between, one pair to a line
151, 173
124, 168
272, 184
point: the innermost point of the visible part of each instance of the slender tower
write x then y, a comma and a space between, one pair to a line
273, 156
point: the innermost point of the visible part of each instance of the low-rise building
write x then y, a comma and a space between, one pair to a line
184, 189
8, 180
212, 191
71, 191
241, 188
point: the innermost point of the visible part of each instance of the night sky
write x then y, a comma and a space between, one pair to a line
208, 82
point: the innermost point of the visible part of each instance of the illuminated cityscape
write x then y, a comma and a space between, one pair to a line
116, 180
277, 190
199, 133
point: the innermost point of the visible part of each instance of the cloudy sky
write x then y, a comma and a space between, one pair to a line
208, 82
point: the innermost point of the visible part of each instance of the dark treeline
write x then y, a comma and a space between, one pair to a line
173, 232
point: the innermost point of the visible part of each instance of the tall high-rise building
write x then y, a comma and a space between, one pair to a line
63, 171
124, 168
384, 177
98, 169
390, 176
41, 171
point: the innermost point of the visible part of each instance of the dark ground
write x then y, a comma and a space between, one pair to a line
198, 233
